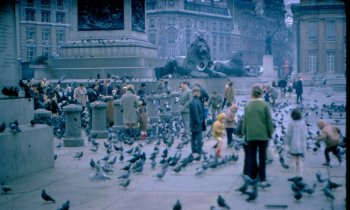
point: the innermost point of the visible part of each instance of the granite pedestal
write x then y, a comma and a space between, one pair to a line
98, 126
73, 137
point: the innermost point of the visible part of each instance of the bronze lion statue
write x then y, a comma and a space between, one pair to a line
198, 63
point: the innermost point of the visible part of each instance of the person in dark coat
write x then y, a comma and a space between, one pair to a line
196, 122
299, 90
204, 98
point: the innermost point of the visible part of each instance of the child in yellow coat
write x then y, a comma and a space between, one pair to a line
218, 132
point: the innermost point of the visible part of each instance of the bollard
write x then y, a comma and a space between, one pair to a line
73, 136
152, 108
118, 115
175, 109
98, 125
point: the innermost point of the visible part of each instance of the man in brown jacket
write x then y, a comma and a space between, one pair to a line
331, 135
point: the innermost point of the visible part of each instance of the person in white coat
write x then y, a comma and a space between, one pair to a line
296, 141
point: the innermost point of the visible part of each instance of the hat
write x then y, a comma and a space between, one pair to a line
196, 88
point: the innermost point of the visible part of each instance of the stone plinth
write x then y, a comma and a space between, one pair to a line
91, 50
269, 73
152, 108
98, 125
73, 136
20, 109
175, 109
118, 115
28, 151
42, 116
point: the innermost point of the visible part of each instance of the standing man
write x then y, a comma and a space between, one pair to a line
129, 103
229, 96
299, 90
184, 100
257, 129
196, 121
214, 104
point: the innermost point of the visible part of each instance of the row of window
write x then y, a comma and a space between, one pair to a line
330, 30
330, 62
31, 41
45, 16
196, 24
45, 3
45, 34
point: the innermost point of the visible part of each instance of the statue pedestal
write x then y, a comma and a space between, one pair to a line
269, 73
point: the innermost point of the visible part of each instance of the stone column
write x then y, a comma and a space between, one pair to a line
175, 109
98, 125
73, 136
118, 115
152, 105
164, 100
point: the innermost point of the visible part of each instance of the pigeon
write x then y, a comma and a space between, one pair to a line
59, 145
309, 190
252, 194
177, 205
92, 163
46, 197
95, 149
5, 188
32, 123
161, 174
99, 175
298, 195
111, 162
249, 180
243, 188
78, 155
332, 185
222, 203
2, 127
282, 161
65, 206
126, 175
328, 193
125, 183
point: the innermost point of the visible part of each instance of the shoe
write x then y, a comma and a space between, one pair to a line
264, 184
326, 164
215, 146
218, 153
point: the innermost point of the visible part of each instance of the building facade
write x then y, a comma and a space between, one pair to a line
172, 25
254, 19
320, 38
43, 27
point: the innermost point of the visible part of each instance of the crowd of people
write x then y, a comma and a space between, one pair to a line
200, 112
